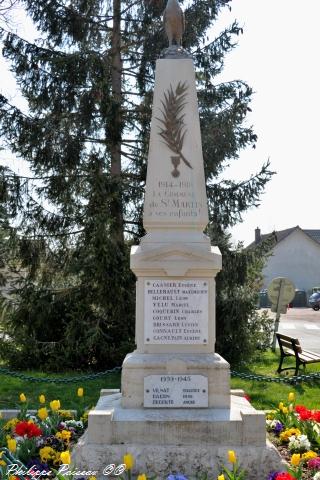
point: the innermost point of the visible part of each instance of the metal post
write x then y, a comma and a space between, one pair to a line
277, 320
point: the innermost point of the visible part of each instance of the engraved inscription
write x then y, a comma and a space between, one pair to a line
176, 312
172, 391
174, 199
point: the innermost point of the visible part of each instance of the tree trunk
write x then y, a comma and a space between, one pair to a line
116, 203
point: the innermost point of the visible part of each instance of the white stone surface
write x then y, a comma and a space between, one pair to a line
177, 440
137, 366
175, 391
240, 424
176, 201
165, 459
144, 321
176, 312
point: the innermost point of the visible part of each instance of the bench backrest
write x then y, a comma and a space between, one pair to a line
289, 342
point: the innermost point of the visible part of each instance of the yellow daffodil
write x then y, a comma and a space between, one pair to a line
128, 460
295, 459
2, 463
22, 397
280, 406
80, 392
291, 397
43, 413
232, 456
65, 457
308, 455
12, 444
221, 477
42, 399
92, 477
13, 477
55, 405
285, 410
142, 476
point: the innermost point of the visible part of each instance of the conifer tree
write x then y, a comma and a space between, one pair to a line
88, 82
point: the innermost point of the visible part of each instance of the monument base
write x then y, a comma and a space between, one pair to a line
176, 440
137, 366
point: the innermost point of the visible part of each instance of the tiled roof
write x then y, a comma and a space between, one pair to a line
281, 234
315, 234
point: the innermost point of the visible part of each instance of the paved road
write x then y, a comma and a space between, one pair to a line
301, 323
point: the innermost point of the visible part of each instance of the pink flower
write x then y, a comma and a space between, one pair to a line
314, 463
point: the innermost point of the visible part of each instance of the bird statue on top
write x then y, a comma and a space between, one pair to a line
174, 25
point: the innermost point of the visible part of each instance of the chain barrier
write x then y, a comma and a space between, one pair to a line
291, 380
9, 459
79, 378
93, 376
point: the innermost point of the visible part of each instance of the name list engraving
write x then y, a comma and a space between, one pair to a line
176, 391
176, 312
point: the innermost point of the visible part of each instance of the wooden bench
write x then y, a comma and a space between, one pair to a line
290, 347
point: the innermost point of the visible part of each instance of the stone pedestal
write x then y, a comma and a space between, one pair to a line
175, 412
137, 366
176, 440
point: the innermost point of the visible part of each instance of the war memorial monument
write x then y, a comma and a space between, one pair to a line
175, 411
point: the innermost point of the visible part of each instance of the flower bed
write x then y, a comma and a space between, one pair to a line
295, 431
38, 445
39, 442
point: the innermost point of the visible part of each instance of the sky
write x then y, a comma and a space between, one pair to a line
278, 56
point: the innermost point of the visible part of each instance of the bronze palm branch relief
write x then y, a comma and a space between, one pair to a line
173, 129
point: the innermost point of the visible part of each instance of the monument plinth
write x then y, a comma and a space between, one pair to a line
175, 411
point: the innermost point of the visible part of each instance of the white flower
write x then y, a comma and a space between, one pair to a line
299, 443
271, 424
317, 476
73, 423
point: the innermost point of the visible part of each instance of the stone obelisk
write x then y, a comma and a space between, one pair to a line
175, 412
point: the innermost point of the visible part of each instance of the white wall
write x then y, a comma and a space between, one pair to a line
296, 257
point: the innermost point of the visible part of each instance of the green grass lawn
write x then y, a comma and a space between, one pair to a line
264, 395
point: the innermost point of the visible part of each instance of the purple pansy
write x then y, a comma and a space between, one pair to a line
273, 475
278, 428
177, 476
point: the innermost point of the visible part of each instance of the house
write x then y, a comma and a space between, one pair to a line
296, 256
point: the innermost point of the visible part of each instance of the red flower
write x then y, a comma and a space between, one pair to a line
304, 413
299, 408
247, 397
284, 476
316, 416
29, 429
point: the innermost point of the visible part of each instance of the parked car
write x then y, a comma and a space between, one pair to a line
314, 301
